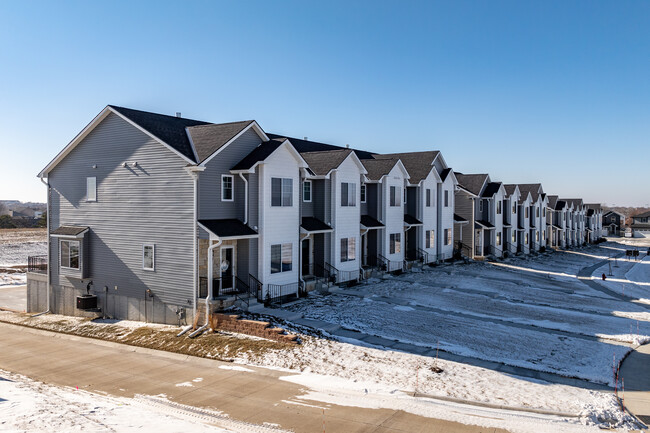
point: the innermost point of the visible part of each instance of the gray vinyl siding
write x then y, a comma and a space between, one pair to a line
253, 199
412, 201
464, 207
372, 200
243, 259
210, 204
318, 199
307, 207
149, 203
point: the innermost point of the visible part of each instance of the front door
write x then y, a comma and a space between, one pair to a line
227, 269
306, 258
364, 249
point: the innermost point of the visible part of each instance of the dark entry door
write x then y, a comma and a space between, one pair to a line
306, 258
227, 266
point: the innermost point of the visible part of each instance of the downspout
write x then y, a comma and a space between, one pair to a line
245, 198
47, 219
210, 279
195, 181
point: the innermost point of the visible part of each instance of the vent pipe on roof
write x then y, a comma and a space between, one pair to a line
178, 114
347, 146
305, 138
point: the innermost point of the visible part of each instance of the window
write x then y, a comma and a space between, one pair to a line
395, 242
281, 258
428, 194
148, 257
348, 194
306, 191
395, 196
446, 198
362, 191
526, 215
526, 239
536, 211
447, 236
348, 249
514, 237
91, 189
498, 238
227, 187
480, 205
430, 240
69, 254
514, 208
544, 236
536, 236
281, 192
544, 212
498, 208
405, 194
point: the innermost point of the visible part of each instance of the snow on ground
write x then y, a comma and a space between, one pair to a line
27, 405
628, 277
12, 279
15, 246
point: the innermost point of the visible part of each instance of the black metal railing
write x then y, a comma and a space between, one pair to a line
462, 249
278, 294
37, 264
255, 286
226, 285
392, 265
376, 262
478, 250
497, 252
340, 276
423, 255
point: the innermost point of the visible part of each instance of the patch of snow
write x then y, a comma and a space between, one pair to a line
403, 308
189, 384
236, 368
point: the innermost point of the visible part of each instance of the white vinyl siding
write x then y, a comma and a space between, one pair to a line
69, 254
227, 192
348, 249
395, 195
395, 243
148, 257
281, 192
91, 189
348, 194
281, 258
306, 191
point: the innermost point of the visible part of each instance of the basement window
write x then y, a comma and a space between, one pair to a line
148, 257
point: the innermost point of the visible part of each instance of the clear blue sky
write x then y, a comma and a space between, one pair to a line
529, 91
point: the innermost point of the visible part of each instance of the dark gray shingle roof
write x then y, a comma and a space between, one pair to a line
228, 228
369, 222
69, 230
169, 129
491, 189
418, 164
312, 224
260, 153
209, 138
323, 162
472, 182
378, 167
314, 146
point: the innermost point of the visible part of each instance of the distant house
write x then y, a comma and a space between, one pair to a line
614, 223
641, 225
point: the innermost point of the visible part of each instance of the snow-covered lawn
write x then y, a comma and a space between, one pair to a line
496, 313
15, 246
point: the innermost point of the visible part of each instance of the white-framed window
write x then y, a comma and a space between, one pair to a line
544, 212
395, 243
395, 195
536, 236
544, 236
227, 187
536, 212
348, 194
281, 258
498, 238
348, 249
281, 192
148, 257
514, 208
447, 236
446, 198
306, 191
91, 189
430, 238
69, 254
514, 237
428, 196
498, 208
362, 191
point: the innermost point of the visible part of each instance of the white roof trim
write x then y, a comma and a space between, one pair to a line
77, 236
253, 125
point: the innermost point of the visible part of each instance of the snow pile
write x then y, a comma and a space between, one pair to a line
12, 279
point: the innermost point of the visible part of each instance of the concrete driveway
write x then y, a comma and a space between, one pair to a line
13, 298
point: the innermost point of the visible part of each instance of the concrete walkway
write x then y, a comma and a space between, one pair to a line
13, 297
255, 397
635, 372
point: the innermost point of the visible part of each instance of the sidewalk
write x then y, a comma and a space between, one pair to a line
255, 395
635, 371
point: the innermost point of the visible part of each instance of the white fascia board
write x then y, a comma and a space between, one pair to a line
189, 137
439, 156
258, 130
467, 192
214, 236
84, 132
404, 170
79, 236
